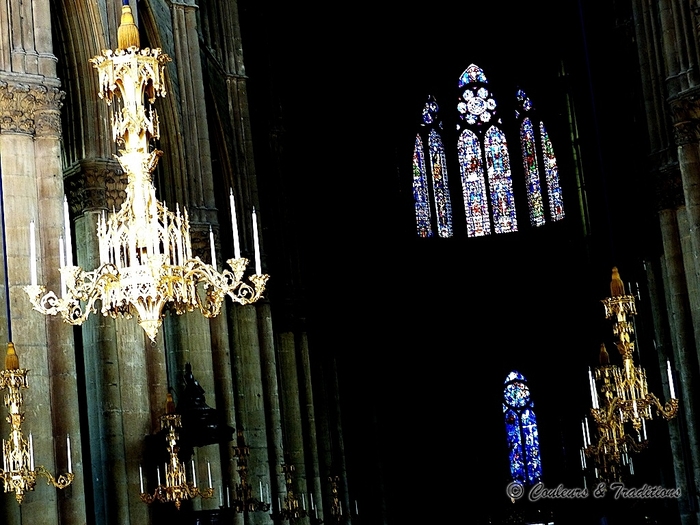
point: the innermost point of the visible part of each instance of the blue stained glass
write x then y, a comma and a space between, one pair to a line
521, 431
473, 186
532, 173
500, 183
472, 74
430, 111
438, 167
420, 191
556, 200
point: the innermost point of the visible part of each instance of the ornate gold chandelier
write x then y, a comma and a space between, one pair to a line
290, 508
18, 472
145, 250
176, 488
243, 500
621, 401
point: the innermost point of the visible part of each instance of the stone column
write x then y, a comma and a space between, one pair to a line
275, 476
291, 409
250, 396
684, 357
686, 137
117, 364
657, 273
313, 476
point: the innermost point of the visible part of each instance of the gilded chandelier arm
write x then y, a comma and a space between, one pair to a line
61, 482
668, 411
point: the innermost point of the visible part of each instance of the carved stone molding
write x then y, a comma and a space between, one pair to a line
30, 109
95, 184
686, 132
668, 187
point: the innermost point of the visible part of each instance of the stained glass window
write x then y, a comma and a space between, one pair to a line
531, 164
471, 168
489, 186
420, 191
479, 124
431, 194
438, 167
556, 201
521, 431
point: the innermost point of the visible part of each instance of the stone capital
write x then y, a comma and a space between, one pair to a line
95, 184
32, 109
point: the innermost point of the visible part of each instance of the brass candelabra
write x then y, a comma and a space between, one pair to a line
19, 474
176, 488
243, 499
290, 508
145, 250
621, 401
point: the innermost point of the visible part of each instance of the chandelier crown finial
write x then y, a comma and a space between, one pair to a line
11, 359
128, 33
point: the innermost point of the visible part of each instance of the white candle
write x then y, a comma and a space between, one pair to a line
303, 500
583, 431
221, 496
158, 475
141, 477
228, 496
211, 247
588, 431
670, 379
234, 227
4, 457
644, 430
357, 513
256, 244
66, 226
261, 492
62, 261
311, 500
634, 407
31, 452
194, 474
594, 395
209, 473
32, 252
70, 462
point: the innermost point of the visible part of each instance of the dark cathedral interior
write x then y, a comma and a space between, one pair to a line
421, 332
428, 329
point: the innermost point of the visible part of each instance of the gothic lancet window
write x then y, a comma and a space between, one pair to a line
521, 431
478, 118
486, 178
531, 165
433, 169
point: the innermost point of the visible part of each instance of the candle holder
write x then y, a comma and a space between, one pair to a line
146, 261
289, 508
622, 403
243, 499
176, 488
18, 474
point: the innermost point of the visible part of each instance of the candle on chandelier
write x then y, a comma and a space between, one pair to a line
261, 492
594, 395
670, 379
141, 477
209, 473
211, 247
31, 452
588, 431
62, 258
256, 244
234, 227
66, 227
4, 457
644, 430
194, 474
32, 252
583, 431
70, 462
